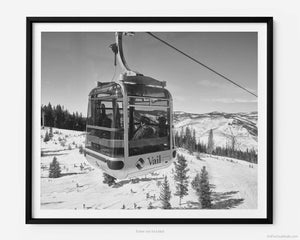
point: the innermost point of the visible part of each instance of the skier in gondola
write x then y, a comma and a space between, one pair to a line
162, 127
105, 121
144, 130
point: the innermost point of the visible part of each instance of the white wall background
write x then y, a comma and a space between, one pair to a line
286, 116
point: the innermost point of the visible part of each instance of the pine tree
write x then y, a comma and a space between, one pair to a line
181, 142
165, 194
51, 133
196, 185
187, 144
54, 169
48, 115
181, 177
210, 144
204, 189
46, 138
109, 179
194, 141
177, 139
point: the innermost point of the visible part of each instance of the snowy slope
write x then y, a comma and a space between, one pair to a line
243, 126
235, 181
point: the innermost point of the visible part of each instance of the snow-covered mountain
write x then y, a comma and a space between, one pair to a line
240, 126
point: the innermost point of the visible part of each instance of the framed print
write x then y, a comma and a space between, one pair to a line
149, 120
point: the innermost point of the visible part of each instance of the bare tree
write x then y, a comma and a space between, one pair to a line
234, 145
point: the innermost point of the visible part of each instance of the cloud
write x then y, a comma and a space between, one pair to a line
230, 100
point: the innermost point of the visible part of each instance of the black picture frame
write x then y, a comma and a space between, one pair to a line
29, 124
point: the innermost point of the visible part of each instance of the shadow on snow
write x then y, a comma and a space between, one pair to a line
225, 200
135, 180
220, 200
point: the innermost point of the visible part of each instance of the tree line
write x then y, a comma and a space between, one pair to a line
58, 117
187, 139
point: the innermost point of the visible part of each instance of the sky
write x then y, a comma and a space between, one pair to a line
72, 63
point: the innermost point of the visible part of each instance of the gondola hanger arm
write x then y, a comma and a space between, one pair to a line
117, 49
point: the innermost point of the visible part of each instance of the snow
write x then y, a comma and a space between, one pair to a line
234, 181
243, 126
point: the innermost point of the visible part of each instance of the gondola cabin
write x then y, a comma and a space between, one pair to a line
129, 127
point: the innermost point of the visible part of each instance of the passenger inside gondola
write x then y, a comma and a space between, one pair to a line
117, 116
162, 127
105, 121
144, 130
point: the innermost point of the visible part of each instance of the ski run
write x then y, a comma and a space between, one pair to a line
81, 186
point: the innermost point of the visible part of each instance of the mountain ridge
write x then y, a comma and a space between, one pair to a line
227, 127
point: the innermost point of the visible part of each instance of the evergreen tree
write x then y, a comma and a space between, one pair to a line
181, 177
194, 141
177, 138
181, 138
187, 138
54, 169
49, 117
196, 185
165, 194
210, 144
203, 189
46, 138
109, 180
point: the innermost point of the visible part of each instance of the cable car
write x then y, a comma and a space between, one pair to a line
129, 123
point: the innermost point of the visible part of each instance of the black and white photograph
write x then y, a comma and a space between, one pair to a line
151, 121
